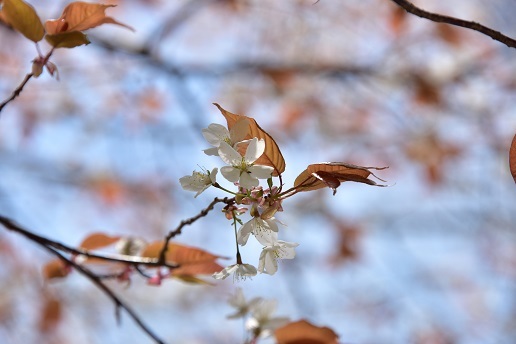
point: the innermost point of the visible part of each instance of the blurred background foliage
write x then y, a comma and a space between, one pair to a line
429, 260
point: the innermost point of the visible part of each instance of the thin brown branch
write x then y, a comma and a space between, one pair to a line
119, 304
17, 91
118, 258
54, 248
439, 18
179, 228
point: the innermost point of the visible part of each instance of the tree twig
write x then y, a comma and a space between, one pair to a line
17, 91
98, 282
117, 258
54, 248
179, 228
439, 18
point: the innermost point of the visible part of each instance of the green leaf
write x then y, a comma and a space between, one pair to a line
23, 18
70, 39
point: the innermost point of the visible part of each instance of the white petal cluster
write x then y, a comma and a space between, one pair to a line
241, 169
216, 133
262, 320
241, 271
275, 250
199, 181
259, 312
242, 306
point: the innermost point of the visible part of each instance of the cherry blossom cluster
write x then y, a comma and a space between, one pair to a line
258, 314
261, 204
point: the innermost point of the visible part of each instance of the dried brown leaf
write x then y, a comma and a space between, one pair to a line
272, 155
512, 158
204, 268
50, 314
303, 332
81, 16
55, 269
179, 254
331, 174
98, 240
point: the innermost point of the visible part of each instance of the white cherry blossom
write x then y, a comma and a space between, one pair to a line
241, 271
242, 306
274, 250
262, 229
241, 169
262, 321
199, 181
216, 133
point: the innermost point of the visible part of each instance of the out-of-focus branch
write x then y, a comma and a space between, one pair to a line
189, 221
43, 62
496, 35
17, 91
119, 304
177, 19
118, 258
251, 67
54, 247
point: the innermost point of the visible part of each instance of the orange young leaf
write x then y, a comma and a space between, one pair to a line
55, 269
204, 268
512, 158
80, 16
302, 331
50, 314
67, 39
272, 155
98, 240
23, 18
192, 279
331, 174
179, 254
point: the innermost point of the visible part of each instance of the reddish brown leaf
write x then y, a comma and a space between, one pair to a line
303, 332
80, 16
55, 269
331, 174
512, 158
179, 254
448, 34
272, 155
398, 20
98, 240
50, 314
204, 268
426, 92
433, 153
192, 279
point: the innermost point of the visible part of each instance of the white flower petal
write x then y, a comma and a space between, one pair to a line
244, 232
285, 250
215, 133
266, 237
213, 175
254, 150
225, 272
261, 171
267, 263
247, 181
272, 224
230, 173
229, 155
245, 270
214, 151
